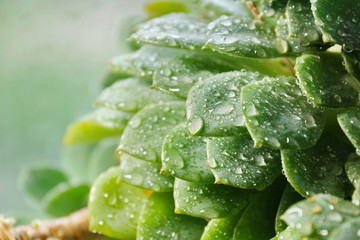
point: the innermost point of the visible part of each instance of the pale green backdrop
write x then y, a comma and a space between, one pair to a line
52, 57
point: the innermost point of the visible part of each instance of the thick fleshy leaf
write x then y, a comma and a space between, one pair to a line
288, 198
319, 169
221, 229
288, 234
141, 63
75, 160
103, 156
319, 215
101, 123
261, 212
65, 199
178, 74
234, 161
176, 30
277, 115
159, 8
295, 45
111, 77
352, 62
244, 38
158, 221
349, 121
131, 95
339, 21
185, 157
144, 135
36, 182
145, 174
324, 80
301, 22
209, 200
352, 168
115, 206
347, 230
213, 106
225, 7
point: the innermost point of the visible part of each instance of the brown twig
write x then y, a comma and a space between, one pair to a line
254, 11
74, 226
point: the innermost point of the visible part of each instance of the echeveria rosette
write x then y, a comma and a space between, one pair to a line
228, 119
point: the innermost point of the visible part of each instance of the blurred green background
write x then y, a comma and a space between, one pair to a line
52, 58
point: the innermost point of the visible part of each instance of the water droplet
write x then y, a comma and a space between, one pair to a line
195, 125
251, 110
135, 122
224, 109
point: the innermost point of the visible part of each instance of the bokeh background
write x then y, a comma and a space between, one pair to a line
52, 58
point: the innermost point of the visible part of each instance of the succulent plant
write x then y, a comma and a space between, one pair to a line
231, 120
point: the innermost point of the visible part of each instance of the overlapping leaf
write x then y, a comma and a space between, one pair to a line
101, 123
115, 206
158, 221
185, 157
130, 95
178, 74
277, 115
325, 82
173, 30
339, 21
319, 169
213, 106
349, 121
145, 174
143, 136
209, 200
234, 161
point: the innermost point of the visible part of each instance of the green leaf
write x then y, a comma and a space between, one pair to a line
36, 182
158, 221
349, 121
295, 45
261, 213
319, 169
102, 157
289, 234
176, 30
209, 200
319, 215
114, 206
338, 20
234, 161
101, 123
75, 160
143, 137
324, 80
301, 22
225, 7
347, 230
159, 8
145, 174
130, 95
352, 62
288, 198
141, 63
112, 77
222, 228
65, 199
352, 168
215, 103
178, 74
242, 37
277, 115
185, 157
